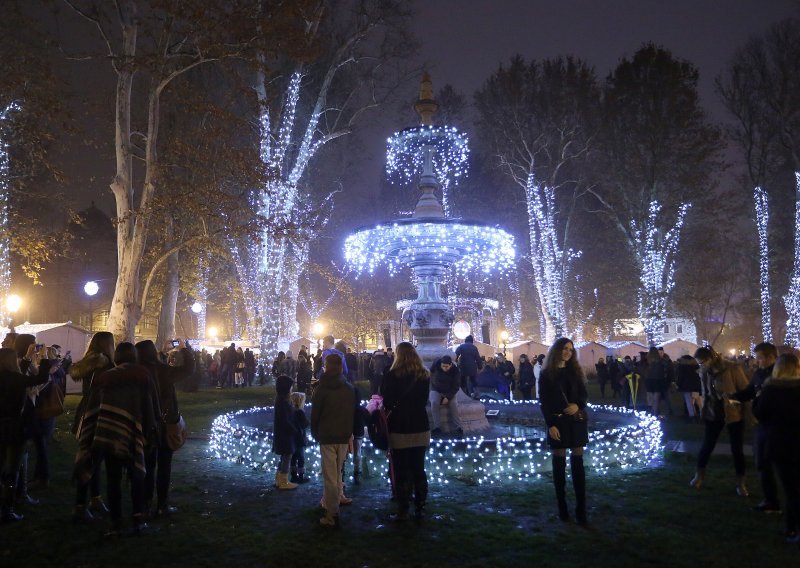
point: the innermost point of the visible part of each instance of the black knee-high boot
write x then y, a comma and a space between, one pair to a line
560, 482
579, 484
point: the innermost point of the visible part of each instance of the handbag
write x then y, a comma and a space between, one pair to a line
175, 434
50, 402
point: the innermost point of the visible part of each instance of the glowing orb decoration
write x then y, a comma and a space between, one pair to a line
91, 288
445, 242
461, 329
633, 439
406, 152
13, 303
197, 307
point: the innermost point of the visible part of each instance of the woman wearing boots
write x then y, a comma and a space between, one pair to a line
718, 380
405, 391
562, 394
12, 400
99, 358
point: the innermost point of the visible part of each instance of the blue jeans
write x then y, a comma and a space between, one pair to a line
436, 406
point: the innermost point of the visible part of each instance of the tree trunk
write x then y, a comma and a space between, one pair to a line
124, 311
169, 299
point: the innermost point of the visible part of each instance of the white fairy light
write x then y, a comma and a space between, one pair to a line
633, 444
761, 200
658, 255
448, 242
792, 299
5, 248
550, 262
405, 156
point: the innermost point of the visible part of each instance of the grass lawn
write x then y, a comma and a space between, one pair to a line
232, 516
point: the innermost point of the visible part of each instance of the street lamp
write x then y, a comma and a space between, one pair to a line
318, 330
13, 304
197, 307
213, 332
504, 339
90, 289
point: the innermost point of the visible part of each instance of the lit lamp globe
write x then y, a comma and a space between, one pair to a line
91, 288
197, 307
318, 329
213, 331
461, 329
504, 336
13, 303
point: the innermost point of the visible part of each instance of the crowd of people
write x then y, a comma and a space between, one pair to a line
125, 421
128, 416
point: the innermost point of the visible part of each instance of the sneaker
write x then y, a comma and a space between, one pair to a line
328, 521
767, 507
345, 500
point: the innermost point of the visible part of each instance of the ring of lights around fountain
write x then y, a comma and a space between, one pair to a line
444, 242
626, 440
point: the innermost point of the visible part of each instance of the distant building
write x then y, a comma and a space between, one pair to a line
674, 328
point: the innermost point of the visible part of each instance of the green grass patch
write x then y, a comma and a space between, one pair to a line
230, 515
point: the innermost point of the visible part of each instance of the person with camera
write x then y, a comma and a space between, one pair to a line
159, 461
13, 398
563, 398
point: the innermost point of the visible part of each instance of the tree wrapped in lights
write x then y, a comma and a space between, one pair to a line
5, 260
550, 261
761, 200
792, 298
657, 272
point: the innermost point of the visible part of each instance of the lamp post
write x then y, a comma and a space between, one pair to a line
504, 339
90, 289
13, 304
318, 331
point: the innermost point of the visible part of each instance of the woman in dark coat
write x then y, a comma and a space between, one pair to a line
405, 389
777, 410
284, 431
688, 381
527, 380
159, 466
562, 394
12, 400
655, 379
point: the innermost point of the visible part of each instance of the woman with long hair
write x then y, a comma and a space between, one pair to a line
405, 391
777, 410
99, 358
718, 380
562, 394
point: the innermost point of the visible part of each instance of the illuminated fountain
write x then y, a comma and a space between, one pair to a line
513, 446
430, 242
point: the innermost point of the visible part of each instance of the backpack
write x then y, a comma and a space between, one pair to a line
378, 428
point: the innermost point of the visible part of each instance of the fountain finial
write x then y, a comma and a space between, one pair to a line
426, 106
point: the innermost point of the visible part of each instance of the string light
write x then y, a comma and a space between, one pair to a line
792, 299
550, 262
762, 220
657, 274
5, 248
406, 153
445, 242
634, 441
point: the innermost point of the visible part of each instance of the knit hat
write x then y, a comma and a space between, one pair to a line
446, 359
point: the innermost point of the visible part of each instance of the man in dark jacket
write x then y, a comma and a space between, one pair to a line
469, 363
379, 365
445, 381
332, 426
766, 355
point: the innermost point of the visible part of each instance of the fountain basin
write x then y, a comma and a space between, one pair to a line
512, 448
